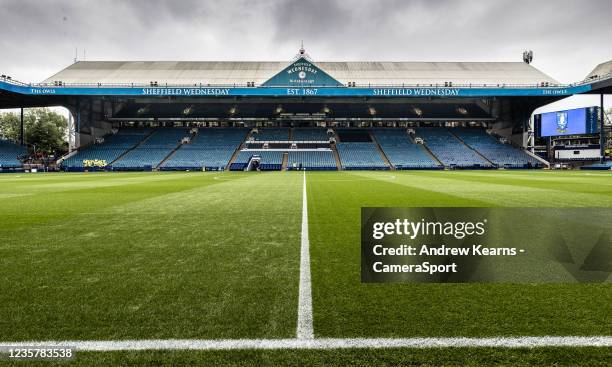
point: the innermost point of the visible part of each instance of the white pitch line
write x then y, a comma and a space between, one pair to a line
305, 329
323, 343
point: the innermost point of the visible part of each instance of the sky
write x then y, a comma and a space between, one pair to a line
568, 37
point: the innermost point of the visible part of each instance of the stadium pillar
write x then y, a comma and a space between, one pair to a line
77, 124
21, 129
78, 117
602, 136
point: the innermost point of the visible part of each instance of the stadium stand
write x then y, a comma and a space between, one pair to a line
271, 134
450, 150
108, 151
402, 152
360, 155
311, 160
314, 134
152, 151
270, 160
10, 154
211, 148
502, 155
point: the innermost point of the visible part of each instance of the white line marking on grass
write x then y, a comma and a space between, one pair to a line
326, 343
304, 322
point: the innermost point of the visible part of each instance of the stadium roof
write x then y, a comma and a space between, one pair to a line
239, 73
605, 68
601, 78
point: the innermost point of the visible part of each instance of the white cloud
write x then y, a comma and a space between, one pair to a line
569, 37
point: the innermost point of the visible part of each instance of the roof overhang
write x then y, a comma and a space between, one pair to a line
601, 87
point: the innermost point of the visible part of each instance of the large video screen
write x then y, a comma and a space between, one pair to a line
568, 122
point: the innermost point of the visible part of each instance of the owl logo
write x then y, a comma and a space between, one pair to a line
302, 74
561, 122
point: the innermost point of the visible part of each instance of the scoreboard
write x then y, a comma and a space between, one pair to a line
579, 121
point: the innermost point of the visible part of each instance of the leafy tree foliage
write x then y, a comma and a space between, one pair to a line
45, 130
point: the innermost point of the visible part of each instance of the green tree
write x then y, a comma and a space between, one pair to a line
44, 129
9, 126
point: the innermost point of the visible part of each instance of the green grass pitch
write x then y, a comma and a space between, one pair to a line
113, 256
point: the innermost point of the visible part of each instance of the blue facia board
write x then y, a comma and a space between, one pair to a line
203, 91
302, 73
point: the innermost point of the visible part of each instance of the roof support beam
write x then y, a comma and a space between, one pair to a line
22, 129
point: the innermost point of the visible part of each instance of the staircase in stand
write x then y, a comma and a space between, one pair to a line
336, 157
477, 152
381, 152
233, 158
285, 160
169, 155
429, 152
237, 151
134, 147
542, 160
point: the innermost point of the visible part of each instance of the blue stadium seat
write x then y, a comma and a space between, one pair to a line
152, 151
502, 155
310, 134
10, 154
271, 134
112, 148
450, 150
311, 160
607, 165
211, 148
402, 152
360, 155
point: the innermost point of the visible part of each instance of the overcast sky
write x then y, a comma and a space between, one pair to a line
569, 38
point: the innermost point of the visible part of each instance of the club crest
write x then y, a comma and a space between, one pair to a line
561, 122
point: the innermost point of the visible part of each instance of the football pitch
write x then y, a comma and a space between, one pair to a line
205, 256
